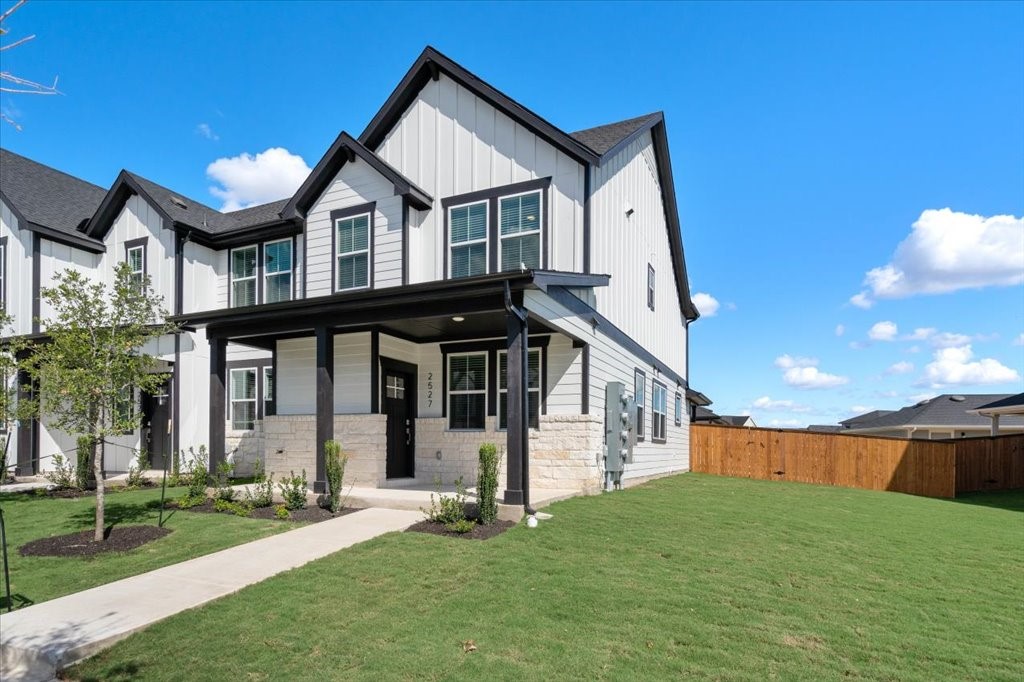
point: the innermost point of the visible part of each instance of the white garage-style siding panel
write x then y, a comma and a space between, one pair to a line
451, 142
623, 246
18, 280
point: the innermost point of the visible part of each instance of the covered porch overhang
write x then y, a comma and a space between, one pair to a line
488, 306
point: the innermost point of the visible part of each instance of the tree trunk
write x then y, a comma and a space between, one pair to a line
97, 459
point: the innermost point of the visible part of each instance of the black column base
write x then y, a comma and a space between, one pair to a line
514, 497
319, 487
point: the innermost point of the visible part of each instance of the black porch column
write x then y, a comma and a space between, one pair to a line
324, 402
218, 400
516, 445
27, 430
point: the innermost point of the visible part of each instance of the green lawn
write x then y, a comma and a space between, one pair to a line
36, 579
688, 577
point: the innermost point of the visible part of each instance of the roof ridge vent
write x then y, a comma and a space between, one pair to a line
957, 398
179, 202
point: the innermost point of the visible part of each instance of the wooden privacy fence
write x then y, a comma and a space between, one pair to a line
919, 467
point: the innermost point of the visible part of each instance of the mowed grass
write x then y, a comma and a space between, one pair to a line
37, 579
687, 577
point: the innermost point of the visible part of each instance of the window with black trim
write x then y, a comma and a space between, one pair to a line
533, 388
467, 391
352, 252
519, 231
243, 275
650, 286
268, 386
243, 399
135, 256
277, 271
124, 406
659, 408
679, 410
639, 394
467, 227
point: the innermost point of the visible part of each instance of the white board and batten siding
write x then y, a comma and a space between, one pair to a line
622, 246
451, 142
611, 362
18, 275
137, 220
355, 184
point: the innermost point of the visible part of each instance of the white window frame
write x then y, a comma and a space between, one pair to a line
539, 231
338, 254
138, 276
290, 271
640, 395
232, 399
659, 419
451, 391
268, 393
485, 240
504, 391
677, 409
651, 291
254, 277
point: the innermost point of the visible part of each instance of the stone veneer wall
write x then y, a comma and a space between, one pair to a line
564, 453
290, 441
245, 449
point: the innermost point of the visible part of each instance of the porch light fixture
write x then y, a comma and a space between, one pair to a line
458, 318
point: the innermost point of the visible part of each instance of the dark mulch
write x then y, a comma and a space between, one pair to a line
74, 493
478, 533
307, 515
118, 539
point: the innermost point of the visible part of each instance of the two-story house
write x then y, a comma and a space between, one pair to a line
462, 271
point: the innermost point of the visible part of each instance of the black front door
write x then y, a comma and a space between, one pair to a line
398, 388
156, 425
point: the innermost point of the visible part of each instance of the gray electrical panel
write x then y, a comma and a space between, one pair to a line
619, 432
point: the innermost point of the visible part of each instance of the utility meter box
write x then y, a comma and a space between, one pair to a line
619, 428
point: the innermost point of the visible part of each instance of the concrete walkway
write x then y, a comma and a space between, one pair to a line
37, 640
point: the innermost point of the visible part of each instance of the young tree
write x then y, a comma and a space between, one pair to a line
11, 408
94, 361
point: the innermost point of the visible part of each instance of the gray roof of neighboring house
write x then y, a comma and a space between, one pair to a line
703, 414
944, 410
866, 417
604, 137
46, 196
825, 428
735, 419
1009, 401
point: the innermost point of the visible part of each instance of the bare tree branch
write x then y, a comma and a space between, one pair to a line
21, 86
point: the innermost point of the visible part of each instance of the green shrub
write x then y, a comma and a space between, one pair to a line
281, 512
197, 476
261, 493
460, 526
83, 467
222, 482
188, 501
236, 508
293, 491
487, 484
63, 474
174, 478
448, 510
135, 477
334, 463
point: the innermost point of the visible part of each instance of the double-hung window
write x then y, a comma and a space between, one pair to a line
124, 407
467, 390
519, 239
268, 387
659, 408
135, 256
243, 399
533, 388
243, 276
468, 240
352, 252
679, 410
277, 271
639, 388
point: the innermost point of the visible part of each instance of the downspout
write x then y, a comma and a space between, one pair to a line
520, 314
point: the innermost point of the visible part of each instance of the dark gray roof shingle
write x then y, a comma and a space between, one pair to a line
944, 410
46, 196
188, 211
1009, 401
602, 138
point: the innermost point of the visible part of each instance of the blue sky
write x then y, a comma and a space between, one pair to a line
809, 142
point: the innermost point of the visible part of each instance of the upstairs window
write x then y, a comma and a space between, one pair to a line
639, 382
243, 276
467, 391
277, 271
468, 238
679, 410
520, 231
533, 388
659, 404
135, 257
243, 399
352, 252
650, 286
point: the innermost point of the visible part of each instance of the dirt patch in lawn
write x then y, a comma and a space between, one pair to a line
307, 515
478, 533
118, 539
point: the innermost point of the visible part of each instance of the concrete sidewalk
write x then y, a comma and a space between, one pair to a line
37, 640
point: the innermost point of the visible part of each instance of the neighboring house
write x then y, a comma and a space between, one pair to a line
944, 416
381, 303
997, 409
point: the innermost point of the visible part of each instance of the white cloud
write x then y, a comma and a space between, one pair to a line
786, 361
766, 403
901, 367
249, 180
785, 423
860, 409
206, 131
949, 340
1019, 341
861, 300
921, 334
840, 330
947, 251
914, 349
954, 367
803, 373
883, 331
706, 303
915, 398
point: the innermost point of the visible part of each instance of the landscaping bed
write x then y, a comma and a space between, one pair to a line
116, 539
307, 515
479, 532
